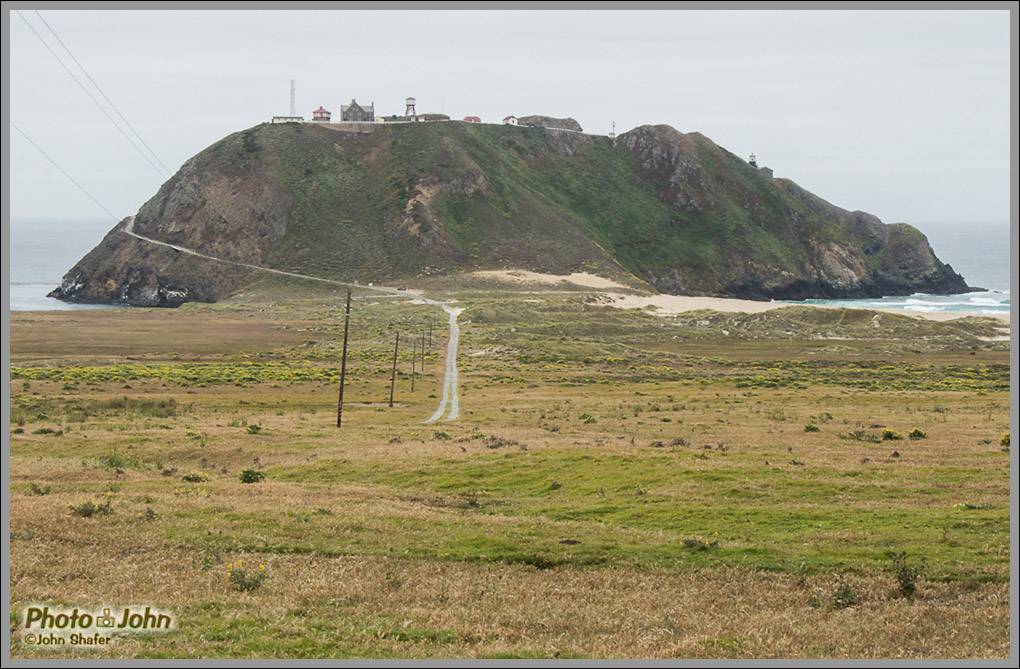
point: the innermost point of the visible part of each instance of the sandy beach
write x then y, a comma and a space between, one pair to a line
524, 277
673, 304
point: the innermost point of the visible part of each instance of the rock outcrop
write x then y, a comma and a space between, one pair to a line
550, 122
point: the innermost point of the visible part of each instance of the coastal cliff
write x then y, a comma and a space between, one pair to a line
401, 201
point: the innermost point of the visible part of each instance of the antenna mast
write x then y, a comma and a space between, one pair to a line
293, 109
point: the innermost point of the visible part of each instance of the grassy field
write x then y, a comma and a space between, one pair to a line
618, 484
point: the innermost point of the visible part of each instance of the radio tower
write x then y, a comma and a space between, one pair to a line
293, 109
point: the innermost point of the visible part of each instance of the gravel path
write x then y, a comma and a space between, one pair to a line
450, 382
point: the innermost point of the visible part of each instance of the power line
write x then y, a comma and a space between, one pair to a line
92, 97
101, 92
82, 188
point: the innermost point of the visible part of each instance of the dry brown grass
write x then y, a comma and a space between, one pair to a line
156, 333
490, 610
385, 540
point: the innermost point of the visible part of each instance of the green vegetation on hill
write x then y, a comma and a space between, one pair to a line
499, 196
336, 204
401, 201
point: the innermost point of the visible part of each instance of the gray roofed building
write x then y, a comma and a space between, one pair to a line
356, 113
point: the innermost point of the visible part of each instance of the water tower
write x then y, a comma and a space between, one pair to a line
409, 111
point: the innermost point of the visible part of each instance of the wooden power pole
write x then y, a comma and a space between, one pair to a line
343, 360
393, 378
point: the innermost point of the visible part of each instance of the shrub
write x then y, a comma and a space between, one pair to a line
587, 418
843, 596
148, 514
246, 580
39, 489
967, 506
500, 442
811, 427
906, 572
918, 433
117, 461
1005, 440
439, 435
195, 477
254, 429
251, 476
700, 543
891, 435
861, 435
86, 508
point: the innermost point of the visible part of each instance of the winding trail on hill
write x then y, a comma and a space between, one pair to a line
450, 386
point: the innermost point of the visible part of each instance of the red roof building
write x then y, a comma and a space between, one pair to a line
510, 120
321, 115
472, 119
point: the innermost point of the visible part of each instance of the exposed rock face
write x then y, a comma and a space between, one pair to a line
672, 209
670, 158
419, 224
125, 270
550, 122
234, 214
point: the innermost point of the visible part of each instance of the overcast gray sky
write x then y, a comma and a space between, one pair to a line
904, 114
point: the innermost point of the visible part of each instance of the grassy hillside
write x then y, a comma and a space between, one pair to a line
402, 201
540, 208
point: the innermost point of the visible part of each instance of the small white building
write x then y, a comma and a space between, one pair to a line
510, 120
288, 119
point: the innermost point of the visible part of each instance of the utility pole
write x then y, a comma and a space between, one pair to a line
393, 378
343, 361
430, 334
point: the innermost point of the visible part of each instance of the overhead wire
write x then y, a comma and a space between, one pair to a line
101, 92
164, 173
62, 171
93, 98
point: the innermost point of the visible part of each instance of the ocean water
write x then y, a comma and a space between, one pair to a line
42, 250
